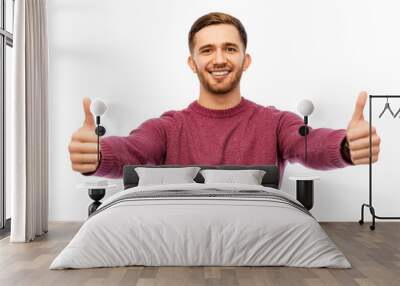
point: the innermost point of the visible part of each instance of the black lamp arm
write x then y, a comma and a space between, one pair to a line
100, 131
304, 130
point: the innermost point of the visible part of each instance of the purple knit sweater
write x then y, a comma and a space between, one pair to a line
246, 134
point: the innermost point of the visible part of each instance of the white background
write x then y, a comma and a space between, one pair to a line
133, 54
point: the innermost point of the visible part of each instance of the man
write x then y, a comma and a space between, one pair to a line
222, 127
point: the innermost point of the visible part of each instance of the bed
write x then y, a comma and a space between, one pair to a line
201, 224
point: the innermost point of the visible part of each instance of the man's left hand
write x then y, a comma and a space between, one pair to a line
357, 135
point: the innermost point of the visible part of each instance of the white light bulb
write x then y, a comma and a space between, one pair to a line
305, 107
98, 107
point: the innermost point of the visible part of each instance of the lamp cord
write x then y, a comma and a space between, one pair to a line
305, 145
98, 145
97, 131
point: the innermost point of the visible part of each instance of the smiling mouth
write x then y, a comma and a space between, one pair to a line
219, 74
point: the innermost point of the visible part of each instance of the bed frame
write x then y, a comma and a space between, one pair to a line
270, 179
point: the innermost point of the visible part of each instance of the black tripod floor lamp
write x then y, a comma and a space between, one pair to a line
369, 205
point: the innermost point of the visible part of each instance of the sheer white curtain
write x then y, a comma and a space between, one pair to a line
28, 142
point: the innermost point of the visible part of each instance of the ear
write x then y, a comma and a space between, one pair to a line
247, 62
192, 64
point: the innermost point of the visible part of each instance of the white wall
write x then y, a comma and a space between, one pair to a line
133, 54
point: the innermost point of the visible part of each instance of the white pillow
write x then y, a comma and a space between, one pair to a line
162, 176
249, 177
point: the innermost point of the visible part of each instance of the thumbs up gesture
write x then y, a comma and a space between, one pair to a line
358, 135
83, 145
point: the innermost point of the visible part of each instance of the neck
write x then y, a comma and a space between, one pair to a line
219, 101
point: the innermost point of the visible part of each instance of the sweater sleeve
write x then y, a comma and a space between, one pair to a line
323, 144
144, 145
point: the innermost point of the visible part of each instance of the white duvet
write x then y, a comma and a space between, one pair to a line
207, 230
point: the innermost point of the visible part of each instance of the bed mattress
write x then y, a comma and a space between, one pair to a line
201, 225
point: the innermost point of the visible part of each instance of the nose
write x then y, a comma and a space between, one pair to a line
219, 57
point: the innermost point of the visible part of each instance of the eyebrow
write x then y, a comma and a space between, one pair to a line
224, 44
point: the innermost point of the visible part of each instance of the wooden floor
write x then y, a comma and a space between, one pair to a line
374, 255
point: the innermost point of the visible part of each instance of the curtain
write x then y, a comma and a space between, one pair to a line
28, 141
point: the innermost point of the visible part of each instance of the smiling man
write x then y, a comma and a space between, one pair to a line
222, 127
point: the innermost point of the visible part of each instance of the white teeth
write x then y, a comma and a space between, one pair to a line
219, 73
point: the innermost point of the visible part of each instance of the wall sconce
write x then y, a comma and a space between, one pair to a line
305, 108
98, 108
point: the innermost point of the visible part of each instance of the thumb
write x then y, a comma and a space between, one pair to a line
89, 119
359, 108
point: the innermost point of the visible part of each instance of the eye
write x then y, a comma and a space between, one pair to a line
206, 51
231, 49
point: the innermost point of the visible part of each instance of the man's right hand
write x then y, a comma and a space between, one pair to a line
83, 146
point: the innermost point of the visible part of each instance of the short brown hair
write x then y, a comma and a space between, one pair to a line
216, 18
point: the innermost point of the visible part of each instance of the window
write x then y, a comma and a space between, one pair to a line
6, 44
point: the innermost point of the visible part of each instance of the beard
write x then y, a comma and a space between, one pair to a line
220, 87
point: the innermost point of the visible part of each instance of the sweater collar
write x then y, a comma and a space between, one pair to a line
220, 113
